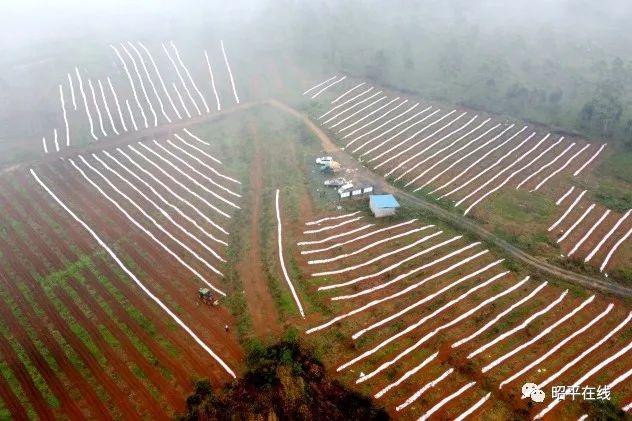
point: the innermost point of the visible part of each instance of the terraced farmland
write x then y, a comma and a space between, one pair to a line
491, 168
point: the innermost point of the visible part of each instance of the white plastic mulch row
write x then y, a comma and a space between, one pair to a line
554, 350
350, 116
547, 165
162, 82
133, 86
342, 104
397, 264
187, 131
501, 172
375, 120
162, 198
564, 196
134, 278
347, 92
432, 145
210, 71
560, 169
614, 249
331, 218
611, 385
146, 231
319, 85
487, 169
191, 179
390, 120
521, 326
401, 123
182, 81
55, 140
377, 110
418, 323
186, 71
282, 260
432, 296
196, 148
142, 84
375, 302
182, 186
567, 211
199, 173
589, 232
500, 315
333, 237
369, 246
607, 236
423, 390
331, 227
65, 116
576, 223
204, 164
587, 375
444, 401
454, 152
151, 81
72, 91
462, 157
351, 107
152, 202
358, 238
479, 159
230, 72
179, 95
107, 107
96, 106
85, 104
425, 266
406, 375
44, 144
591, 159
512, 175
131, 115
329, 85
473, 408
117, 103
538, 336
411, 137
430, 335
374, 259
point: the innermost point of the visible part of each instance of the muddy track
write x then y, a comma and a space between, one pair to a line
260, 302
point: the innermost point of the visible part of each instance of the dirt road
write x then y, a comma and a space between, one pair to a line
260, 302
458, 221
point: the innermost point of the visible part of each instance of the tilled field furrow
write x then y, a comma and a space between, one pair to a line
91, 402
163, 273
120, 372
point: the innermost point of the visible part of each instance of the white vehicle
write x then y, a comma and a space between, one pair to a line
345, 187
324, 160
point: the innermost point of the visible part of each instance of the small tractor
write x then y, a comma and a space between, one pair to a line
207, 298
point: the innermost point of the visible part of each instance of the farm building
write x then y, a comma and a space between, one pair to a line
383, 205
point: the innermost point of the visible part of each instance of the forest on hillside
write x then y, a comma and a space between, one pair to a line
567, 64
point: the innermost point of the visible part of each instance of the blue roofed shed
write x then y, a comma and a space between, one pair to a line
383, 205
